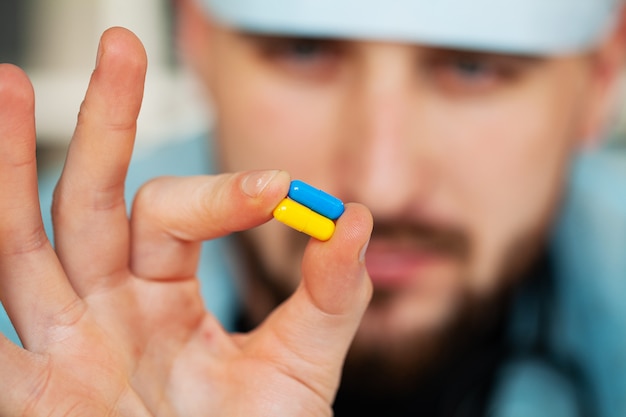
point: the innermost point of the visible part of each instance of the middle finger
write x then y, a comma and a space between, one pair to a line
89, 212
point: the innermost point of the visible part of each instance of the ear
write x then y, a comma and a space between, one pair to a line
194, 29
608, 65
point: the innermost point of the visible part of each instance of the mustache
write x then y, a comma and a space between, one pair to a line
447, 240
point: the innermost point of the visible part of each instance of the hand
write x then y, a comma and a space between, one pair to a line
111, 319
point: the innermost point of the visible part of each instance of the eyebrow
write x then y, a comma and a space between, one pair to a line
429, 51
448, 53
268, 38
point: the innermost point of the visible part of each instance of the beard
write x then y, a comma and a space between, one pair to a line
384, 364
389, 367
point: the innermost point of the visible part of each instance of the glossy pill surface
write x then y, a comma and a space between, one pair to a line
317, 200
303, 219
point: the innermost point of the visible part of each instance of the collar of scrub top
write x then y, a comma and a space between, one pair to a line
533, 27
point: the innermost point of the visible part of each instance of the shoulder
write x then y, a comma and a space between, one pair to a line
589, 245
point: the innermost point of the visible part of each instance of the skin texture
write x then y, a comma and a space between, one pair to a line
111, 318
461, 157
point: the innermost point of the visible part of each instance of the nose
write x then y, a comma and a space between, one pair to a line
384, 161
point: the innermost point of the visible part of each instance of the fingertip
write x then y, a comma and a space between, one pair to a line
357, 216
12, 75
17, 121
16, 89
121, 60
252, 194
121, 42
354, 227
351, 236
262, 183
115, 93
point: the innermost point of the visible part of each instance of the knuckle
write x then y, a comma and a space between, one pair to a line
22, 242
68, 196
148, 196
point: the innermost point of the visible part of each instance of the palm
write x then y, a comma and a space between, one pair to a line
164, 361
111, 319
103, 348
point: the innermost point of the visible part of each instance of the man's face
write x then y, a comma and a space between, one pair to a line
460, 156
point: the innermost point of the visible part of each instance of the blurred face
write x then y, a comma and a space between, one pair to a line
459, 155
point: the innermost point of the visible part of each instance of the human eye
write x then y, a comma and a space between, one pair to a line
300, 56
472, 70
466, 73
302, 50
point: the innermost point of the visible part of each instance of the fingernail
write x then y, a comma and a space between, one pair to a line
254, 184
363, 251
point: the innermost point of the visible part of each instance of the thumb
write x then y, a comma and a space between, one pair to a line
313, 329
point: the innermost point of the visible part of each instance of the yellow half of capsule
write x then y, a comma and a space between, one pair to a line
303, 219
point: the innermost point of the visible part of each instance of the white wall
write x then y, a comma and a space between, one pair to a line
62, 38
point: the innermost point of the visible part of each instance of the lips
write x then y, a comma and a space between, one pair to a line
395, 265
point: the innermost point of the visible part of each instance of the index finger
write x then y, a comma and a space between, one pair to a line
171, 216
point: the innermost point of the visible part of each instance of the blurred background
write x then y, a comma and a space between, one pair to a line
56, 41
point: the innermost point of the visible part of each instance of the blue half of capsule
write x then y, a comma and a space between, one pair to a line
316, 200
